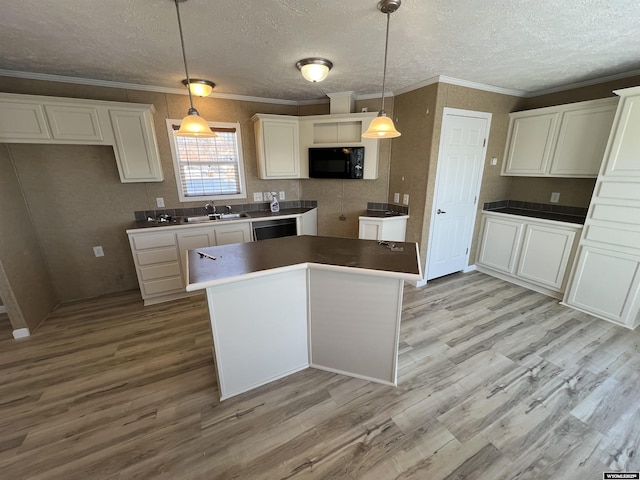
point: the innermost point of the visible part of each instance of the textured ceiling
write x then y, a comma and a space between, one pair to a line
250, 47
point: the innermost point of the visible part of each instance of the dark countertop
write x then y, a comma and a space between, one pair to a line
545, 215
251, 215
241, 259
383, 214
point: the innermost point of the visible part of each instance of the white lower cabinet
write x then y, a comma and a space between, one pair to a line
192, 239
392, 229
606, 283
531, 252
500, 244
232, 233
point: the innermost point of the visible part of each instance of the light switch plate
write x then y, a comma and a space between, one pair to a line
396, 198
555, 197
494, 160
98, 252
257, 196
405, 199
281, 195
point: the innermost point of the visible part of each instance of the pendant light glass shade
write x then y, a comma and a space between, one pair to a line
381, 127
314, 69
193, 125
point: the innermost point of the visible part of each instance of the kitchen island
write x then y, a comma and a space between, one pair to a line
282, 305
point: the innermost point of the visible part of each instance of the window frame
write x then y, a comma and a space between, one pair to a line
176, 163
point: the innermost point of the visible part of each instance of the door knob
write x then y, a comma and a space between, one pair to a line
440, 211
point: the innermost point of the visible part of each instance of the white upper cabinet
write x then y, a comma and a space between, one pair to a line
530, 141
20, 121
560, 141
277, 146
128, 127
74, 122
283, 141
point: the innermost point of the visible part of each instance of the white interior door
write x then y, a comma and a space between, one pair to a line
459, 174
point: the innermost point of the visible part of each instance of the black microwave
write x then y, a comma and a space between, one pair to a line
336, 162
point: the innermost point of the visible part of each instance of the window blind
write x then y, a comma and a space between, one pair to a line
209, 166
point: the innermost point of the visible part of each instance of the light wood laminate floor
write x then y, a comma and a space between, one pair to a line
495, 382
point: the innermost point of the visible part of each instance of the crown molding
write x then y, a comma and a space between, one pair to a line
462, 83
147, 88
586, 83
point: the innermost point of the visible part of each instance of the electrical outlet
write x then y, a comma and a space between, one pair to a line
281, 195
405, 199
555, 197
160, 202
494, 161
396, 198
365, 109
98, 252
257, 196
267, 196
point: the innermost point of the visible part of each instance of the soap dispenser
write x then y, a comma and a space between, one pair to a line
275, 206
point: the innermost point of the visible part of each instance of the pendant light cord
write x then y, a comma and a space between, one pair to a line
184, 55
384, 70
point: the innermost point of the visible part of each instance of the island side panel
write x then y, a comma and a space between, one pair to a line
354, 324
259, 329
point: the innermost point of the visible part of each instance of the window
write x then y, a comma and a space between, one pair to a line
208, 168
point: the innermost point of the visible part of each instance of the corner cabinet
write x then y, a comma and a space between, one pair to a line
392, 228
560, 141
277, 146
127, 127
530, 252
605, 281
283, 141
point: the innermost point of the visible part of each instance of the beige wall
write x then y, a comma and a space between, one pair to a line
78, 202
414, 155
341, 202
25, 284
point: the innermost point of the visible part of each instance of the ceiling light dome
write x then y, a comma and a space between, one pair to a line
198, 87
314, 69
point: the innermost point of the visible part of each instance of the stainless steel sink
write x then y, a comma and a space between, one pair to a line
215, 217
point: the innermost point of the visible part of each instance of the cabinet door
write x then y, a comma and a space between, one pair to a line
623, 159
192, 239
278, 149
607, 283
500, 244
545, 255
530, 144
582, 140
233, 233
135, 147
22, 121
308, 223
74, 123
370, 229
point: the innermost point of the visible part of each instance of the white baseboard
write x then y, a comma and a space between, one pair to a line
470, 268
420, 283
3, 309
21, 333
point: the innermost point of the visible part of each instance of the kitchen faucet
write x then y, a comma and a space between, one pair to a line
228, 207
209, 207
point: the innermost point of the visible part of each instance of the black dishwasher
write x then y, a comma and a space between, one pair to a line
282, 227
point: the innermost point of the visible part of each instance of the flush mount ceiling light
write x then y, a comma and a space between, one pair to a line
382, 126
193, 125
314, 69
198, 87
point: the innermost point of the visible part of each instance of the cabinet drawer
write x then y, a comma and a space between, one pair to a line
157, 256
164, 285
153, 272
154, 241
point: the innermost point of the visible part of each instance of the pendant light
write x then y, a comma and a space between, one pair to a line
382, 126
193, 125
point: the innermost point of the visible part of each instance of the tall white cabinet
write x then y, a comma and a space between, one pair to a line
605, 279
